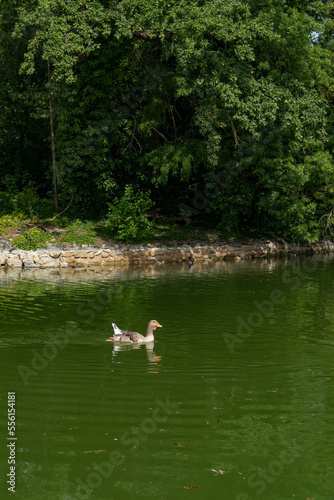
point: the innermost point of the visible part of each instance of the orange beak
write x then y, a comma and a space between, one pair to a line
158, 324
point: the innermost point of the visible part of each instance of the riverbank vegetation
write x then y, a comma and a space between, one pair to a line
136, 120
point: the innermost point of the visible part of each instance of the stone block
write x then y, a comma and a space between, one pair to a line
47, 261
97, 259
14, 261
28, 263
3, 257
69, 260
55, 254
109, 260
80, 254
66, 254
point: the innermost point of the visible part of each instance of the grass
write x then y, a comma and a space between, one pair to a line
30, 234
79, 233
166, 230
9, 223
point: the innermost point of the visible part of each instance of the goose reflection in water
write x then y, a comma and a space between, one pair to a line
125, 340
152, 358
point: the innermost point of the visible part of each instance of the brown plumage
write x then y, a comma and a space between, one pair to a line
134, 337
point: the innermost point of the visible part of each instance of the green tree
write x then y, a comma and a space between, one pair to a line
249, 71
224, 101
61, 34
21, 137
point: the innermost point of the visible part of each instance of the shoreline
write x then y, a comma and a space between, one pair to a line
53, 256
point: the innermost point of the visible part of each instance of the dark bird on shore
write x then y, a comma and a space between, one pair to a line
190, 261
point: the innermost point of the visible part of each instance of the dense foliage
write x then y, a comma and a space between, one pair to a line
31, 239
208, 110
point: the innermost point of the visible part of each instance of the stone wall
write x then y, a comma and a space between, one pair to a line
109, 255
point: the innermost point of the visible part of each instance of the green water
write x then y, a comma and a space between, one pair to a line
234, 401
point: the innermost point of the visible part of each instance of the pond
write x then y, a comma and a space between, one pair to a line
234, 400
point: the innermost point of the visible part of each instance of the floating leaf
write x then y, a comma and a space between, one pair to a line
218, 472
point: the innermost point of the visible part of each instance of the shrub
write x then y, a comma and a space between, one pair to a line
6, 203
127, 216
25, 202
31, 239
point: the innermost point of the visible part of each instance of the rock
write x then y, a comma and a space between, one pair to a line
83, 256
80, 255
55, 245
109, 260
55, 254
66, 254
28, 262
4, 255
97, 259
14, 261
48, 261
70, 260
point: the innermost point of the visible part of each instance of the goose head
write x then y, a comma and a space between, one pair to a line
153, 324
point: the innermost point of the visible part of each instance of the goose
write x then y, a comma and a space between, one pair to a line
134, 337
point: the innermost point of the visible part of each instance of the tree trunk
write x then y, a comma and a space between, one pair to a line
53, 146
